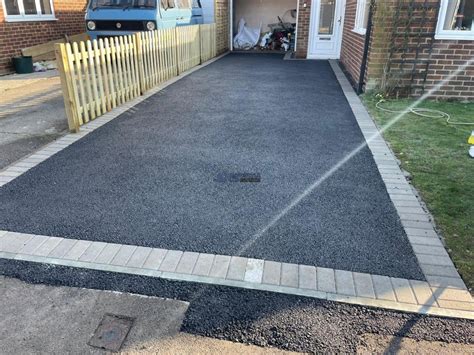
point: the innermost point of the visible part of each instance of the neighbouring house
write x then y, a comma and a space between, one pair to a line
25, 23
404, 46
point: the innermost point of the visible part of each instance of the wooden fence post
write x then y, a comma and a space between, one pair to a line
176, 49
200, 44
66, 85
141, 70
214, 40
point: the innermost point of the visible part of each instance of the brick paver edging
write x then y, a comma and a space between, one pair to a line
443, 294
304, 280
432, 257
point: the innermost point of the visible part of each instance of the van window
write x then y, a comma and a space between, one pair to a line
123, 3
184, 4
144, 3
167, 4
111, 3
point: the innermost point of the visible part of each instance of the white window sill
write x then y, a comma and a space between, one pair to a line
360, 31
456, 35
30, 19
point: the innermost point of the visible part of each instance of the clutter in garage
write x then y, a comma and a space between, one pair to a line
276, 36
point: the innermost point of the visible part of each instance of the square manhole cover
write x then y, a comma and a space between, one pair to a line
111, 332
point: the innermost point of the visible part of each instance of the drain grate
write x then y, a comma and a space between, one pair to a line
111, 332
238, 177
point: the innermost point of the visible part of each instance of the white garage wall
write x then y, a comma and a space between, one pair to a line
263, 11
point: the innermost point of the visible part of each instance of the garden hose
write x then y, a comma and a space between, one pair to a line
430, 113
424, 112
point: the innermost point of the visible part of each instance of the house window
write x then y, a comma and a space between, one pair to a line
362, 16
455, 21
28, 10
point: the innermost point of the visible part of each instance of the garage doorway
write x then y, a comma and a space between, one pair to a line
264, 15
326, 26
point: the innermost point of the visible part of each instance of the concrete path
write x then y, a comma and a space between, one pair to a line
31, 114
380, 344
60, 320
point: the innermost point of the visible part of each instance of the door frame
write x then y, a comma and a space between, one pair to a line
314, 18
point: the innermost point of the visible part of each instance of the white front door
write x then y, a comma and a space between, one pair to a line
325, 31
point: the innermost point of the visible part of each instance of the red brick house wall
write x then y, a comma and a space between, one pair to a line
302, 31
352, 47
448, 56
17, 35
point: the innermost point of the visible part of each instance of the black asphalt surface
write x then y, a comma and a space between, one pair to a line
167, 174
256, 317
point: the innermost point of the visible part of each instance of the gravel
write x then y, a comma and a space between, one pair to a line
256, 317
156, 176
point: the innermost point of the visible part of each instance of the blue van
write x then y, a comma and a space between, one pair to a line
106, 18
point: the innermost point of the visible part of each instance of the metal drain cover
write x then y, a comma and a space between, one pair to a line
111, 332
238, 177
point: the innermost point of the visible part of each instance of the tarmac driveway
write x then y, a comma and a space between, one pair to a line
168, 174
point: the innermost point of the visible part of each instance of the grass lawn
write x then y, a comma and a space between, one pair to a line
436, 155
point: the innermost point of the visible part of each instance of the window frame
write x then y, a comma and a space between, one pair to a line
441, 33
22, 17
359, 18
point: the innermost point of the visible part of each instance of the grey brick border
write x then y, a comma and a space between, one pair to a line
236, 271
428, 247
444, 293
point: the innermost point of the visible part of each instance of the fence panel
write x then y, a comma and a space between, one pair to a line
188, 47
97, 76
157, 57
208, 41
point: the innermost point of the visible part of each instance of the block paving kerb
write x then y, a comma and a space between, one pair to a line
236, 271
443, 293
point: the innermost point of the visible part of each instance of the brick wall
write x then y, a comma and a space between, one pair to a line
381, 36
448, 56
17, 35
352, 47
302, 34
222, 25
